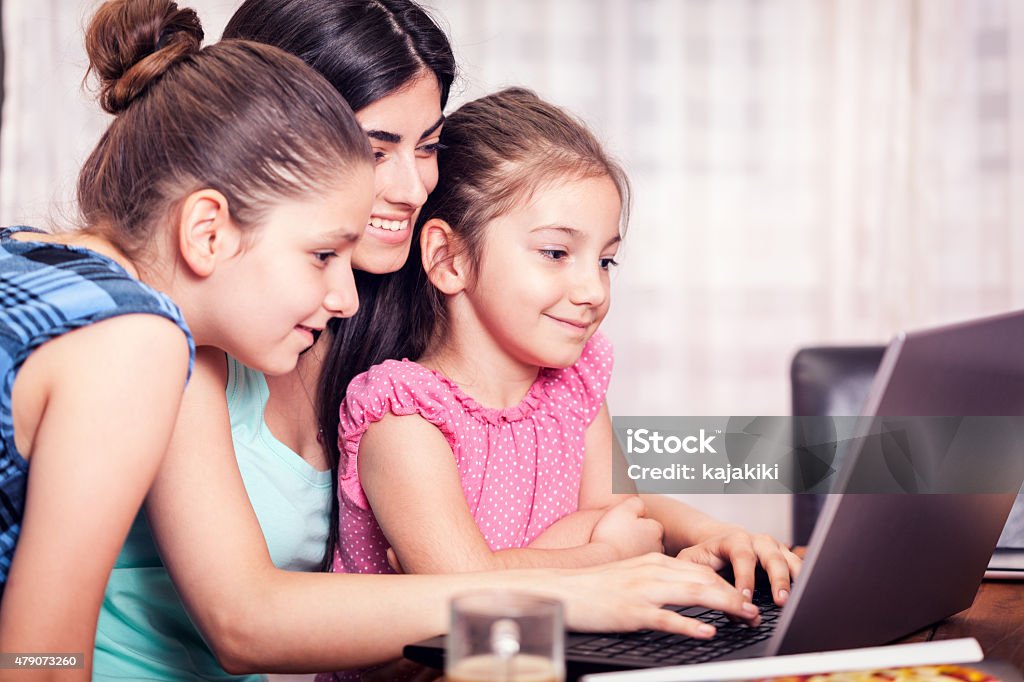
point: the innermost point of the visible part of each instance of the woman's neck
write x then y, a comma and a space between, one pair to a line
481, 368
291, 408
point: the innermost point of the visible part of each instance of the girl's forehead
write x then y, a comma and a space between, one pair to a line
580, 208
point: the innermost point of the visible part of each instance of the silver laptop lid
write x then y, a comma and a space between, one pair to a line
880, 566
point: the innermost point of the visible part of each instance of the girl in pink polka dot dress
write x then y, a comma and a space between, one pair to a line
493, 449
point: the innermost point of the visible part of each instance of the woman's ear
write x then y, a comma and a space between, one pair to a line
443, 260
206, 232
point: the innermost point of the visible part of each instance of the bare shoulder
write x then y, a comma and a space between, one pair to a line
140, 351
129, 356
116, 341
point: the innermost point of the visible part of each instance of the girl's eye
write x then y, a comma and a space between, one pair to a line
324, 256
554, 254
608, 263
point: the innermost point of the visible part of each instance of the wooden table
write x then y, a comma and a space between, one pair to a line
995, 619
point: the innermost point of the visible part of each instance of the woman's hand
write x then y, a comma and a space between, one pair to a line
743, 550
627, 530
628, 595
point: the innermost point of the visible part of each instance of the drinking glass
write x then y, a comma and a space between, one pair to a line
505, 637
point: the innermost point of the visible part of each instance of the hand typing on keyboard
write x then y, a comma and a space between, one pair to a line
650, 647
732, 547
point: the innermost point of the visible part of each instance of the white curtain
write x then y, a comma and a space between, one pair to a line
51, 120
805, 171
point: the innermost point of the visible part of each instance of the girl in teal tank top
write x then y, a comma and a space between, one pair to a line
144, 630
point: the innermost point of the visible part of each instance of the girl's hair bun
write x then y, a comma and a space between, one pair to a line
132, 43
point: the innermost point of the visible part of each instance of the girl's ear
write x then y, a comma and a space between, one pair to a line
443, 261
206, 232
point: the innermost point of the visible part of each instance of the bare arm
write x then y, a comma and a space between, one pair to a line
689, 533
569, 531
258, 618
596, 496
596, 484
409, 476
685, 525
111, 395
695, 536
625, 523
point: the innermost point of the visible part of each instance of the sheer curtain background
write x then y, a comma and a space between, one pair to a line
805, 171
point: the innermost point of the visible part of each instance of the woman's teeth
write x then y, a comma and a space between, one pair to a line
392, 225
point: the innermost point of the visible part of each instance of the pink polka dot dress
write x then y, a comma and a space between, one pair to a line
520, 466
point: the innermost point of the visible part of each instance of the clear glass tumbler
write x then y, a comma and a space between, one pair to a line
505, 637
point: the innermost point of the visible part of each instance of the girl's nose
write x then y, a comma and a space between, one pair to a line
590, 286
342, 298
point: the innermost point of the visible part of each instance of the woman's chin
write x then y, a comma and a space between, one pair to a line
377, 258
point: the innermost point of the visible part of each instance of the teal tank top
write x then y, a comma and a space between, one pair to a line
144, 632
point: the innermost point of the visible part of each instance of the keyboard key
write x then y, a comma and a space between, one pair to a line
646, 647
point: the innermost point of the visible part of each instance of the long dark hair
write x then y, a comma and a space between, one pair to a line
367, 49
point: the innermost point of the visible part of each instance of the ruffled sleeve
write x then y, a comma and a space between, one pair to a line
393, 387
587, 380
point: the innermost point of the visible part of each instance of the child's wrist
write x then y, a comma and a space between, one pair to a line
712, 529
605, 551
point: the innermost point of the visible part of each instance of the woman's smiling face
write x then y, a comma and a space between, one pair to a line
403, 128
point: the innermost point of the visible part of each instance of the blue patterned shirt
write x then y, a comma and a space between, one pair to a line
47, 290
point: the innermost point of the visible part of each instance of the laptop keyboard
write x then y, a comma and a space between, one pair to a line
649, 647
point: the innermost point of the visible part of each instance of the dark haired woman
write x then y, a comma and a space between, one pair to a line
246, 579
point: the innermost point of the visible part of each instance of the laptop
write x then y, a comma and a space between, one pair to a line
878, 566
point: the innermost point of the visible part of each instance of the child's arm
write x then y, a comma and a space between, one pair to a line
258, 618
596, 484
689, 533
409, 476
684, 526
596, 497
581, 527
571, 530
695, 536
103, 402
715, 544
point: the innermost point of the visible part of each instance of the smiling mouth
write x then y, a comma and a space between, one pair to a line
389, 225
314, 332
571, 323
